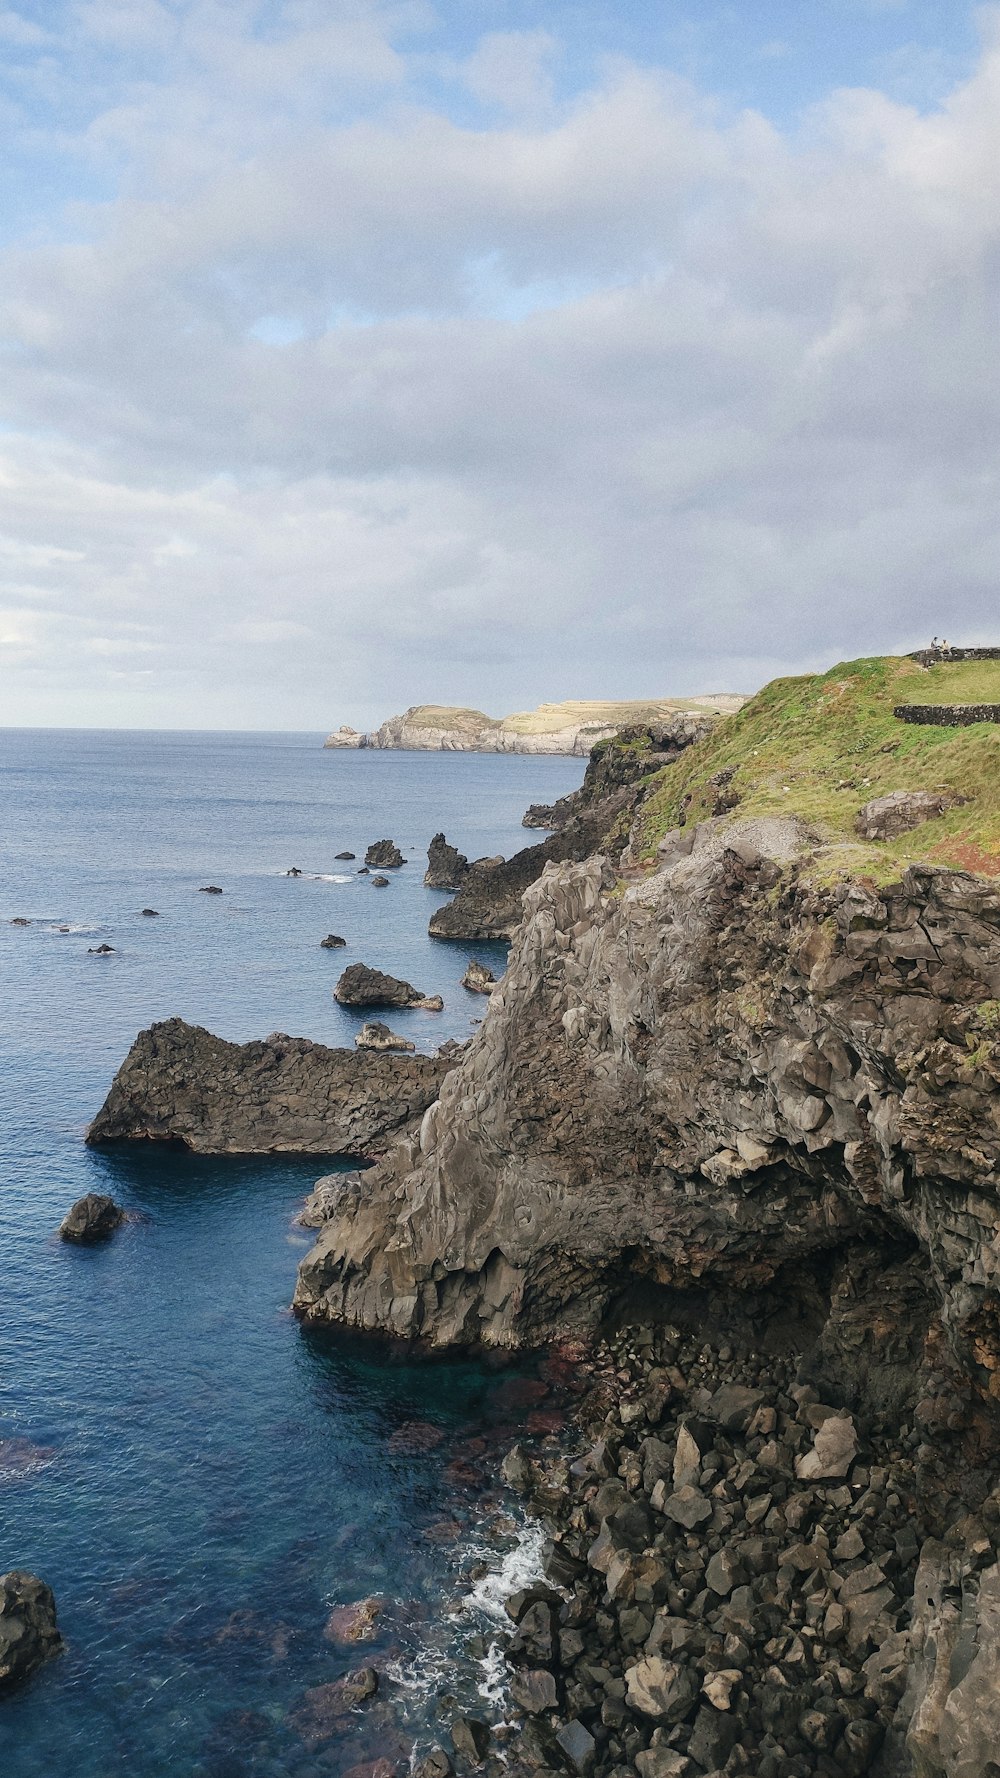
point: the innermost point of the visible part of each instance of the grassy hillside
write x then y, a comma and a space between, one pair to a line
822, 745
451, 716
600, 713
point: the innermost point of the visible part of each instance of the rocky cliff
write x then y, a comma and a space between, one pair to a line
178, 1083
572, 727
716, 1078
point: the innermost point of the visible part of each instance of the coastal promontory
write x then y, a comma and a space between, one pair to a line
572, 727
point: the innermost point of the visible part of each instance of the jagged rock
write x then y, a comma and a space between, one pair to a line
361, 986
447, 867
348, 1624
582, 1126
376, 1036
92, 1218
435, 1764
533, 1689
210, 889
100, 950
294, 872
179, 1083
578, 1746
471, 1738
29, 1634
687, 1460
19, 920
885, 817
834, 1450
384, 855
661, 1689
478, 979
687, 1507
325, 1197
661, 1761
332, 942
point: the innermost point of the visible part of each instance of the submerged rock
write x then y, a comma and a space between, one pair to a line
354, 1623
19, 920
287, 1095
29, 1633
447, 867
151, 913
100, 950
362, 986
210, 889
384, 855
92, 1218
376, 1036
478, 979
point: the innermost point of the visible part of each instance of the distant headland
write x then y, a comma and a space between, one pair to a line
572, 727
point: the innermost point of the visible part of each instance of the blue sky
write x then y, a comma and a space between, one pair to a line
357, 354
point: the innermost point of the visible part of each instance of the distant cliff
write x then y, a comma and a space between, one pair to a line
572, 727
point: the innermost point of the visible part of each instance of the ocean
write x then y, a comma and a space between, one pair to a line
203, 1482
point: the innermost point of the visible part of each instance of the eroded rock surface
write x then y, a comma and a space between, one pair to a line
29, 1634
362, 986
447, 867
709, 1079
376, 1036
179, 1083
885, 817
384, 855
92, 1218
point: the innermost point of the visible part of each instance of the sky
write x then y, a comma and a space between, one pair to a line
356, 355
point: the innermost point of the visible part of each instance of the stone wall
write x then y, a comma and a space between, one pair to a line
932, 657
948, 715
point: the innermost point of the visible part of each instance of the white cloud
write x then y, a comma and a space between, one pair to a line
335, 412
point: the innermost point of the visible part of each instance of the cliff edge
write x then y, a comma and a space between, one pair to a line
569, 728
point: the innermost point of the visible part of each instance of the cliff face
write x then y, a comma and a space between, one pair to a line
721, 1077
178, 1083
570, 728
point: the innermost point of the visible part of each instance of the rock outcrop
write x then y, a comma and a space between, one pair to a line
92, 1218
447, 867
376, 1036
478, 979
571, 727
384, 855
287, 1095
718, 1079
361, 986
29, 1634
885, 817
625, 759
332, 942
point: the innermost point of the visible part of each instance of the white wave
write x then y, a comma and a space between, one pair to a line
71, 926
520, 1567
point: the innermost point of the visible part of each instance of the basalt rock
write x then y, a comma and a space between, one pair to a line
210, 889
361, 986
332, 942
622, 761
478, 979
447, 867
384, 855
288, 1095
92, 1218
29, 1634
716, 1080
376, 1036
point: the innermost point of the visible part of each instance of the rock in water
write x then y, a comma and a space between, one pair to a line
376, 1036
332, 942
151, 913
380, 882
341, 855
286, 1095
92, 1218
100, 950
29, 1633
361, 986
210, 889
478, 979
447, 867
384, 855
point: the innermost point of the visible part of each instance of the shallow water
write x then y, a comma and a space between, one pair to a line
199, 1479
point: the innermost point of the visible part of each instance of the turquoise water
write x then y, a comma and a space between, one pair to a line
199, 1479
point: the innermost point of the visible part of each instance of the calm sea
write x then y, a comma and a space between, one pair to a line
200, 1481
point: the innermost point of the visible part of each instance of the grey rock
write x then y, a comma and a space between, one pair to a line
471, 1738
210, 889
29, 1633
660, 1688
734, 1406
447, 867
435, 1764
712, 1738
376, 1036
533, 1689
332, 942
343, 855
92, 1218
885, 817
151, 913
578, 1746
362, 986
835, 1447
478, 979
687, 1507
384, 855
284, 1095
380, 882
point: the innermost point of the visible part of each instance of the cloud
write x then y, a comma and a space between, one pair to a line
353, 405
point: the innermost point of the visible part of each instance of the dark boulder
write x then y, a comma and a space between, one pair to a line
29, 1634
151, 913
210, 889
380, 882
471, 1739
447, 867
92, 1218
361, 986
345, 854
384, 855
332, 942
100, 950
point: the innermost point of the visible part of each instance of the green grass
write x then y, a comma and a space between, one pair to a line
821, 746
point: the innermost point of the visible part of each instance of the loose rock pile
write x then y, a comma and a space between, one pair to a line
729, 1580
